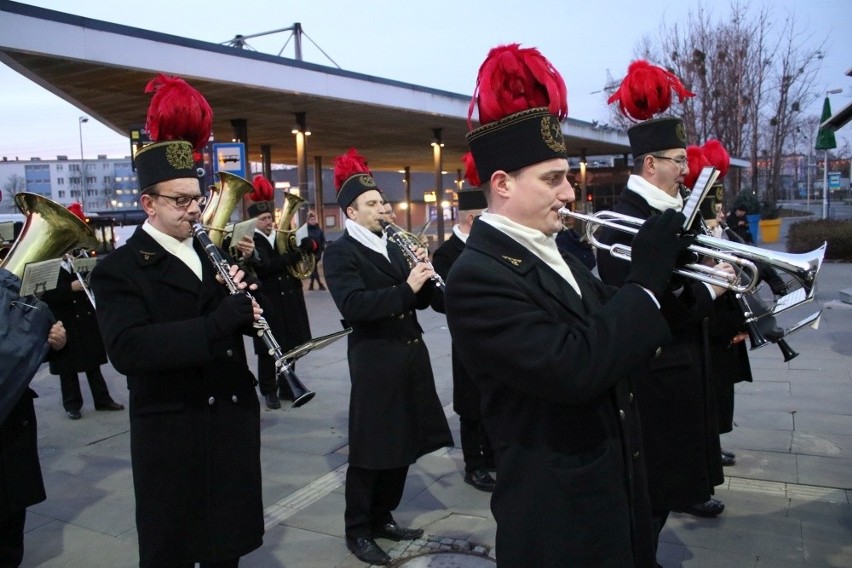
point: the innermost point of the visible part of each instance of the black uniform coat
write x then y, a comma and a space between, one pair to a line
674, 390
395, 415
290, 326
556, 402
730, 360
466, 395
21, 484
194, 413
84, 350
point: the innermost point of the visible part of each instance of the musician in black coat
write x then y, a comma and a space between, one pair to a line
395, 415
551, 347
174, 330
84, 351
21, 483
285, 300
476, 447
674, 390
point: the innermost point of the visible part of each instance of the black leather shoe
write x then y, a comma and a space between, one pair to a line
272, 401
710, 508
366, 550
73, 414
481, 479
111, 405
728, 459
393, 531
731, 455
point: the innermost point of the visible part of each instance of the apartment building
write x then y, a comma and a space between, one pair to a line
103, 184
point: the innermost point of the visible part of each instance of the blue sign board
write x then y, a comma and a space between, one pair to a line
230, 157
833, 180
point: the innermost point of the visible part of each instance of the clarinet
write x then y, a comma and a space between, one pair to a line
396, 237
283, 367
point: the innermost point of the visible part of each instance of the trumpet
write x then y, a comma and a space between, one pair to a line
804, 267
283, 365
408, 243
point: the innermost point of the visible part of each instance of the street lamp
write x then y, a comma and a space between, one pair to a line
81, 120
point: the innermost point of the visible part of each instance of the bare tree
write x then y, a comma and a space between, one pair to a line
13, 185
750, 80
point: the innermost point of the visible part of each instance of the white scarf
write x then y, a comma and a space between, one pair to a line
270, 237
541, 245
368, 238
457, 232
181, 249
653, 195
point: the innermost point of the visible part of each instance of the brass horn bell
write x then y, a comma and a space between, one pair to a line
49, 232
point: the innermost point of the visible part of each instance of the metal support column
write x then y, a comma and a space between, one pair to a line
438, 154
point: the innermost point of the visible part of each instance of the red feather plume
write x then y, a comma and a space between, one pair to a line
178, 112
348, 165
77, 210
697, 161
647, 91
470, 173
512, 79
263, 189
717, 156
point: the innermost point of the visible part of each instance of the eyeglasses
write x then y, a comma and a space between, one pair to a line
183, 201
681, 162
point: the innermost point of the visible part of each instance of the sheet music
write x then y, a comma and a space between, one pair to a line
301, 233
7, 231
39, 277
242, 229
85, 265
705, 181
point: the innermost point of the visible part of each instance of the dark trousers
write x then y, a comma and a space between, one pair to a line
12, 539
371, 496
72, 398
476, 448
266, 378
315, 277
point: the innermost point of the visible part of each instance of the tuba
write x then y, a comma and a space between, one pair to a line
49, 231
223, 200
285, 238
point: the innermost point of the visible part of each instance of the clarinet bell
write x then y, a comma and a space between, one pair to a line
786, 350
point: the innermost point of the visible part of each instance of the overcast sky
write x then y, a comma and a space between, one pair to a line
438, 44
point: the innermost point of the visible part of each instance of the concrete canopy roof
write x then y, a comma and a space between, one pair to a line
102, 68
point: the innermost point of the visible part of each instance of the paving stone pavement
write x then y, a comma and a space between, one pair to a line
787, 498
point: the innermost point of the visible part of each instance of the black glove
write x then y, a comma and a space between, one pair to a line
234, 313
309, 245
655, 250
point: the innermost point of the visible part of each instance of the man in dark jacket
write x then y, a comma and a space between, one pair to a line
318, 235
285, 300
674, 390
170, 325
21, 483
395, 415
85, 349
550, 346
476, 448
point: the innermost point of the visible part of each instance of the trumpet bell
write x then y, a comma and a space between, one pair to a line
49, 231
